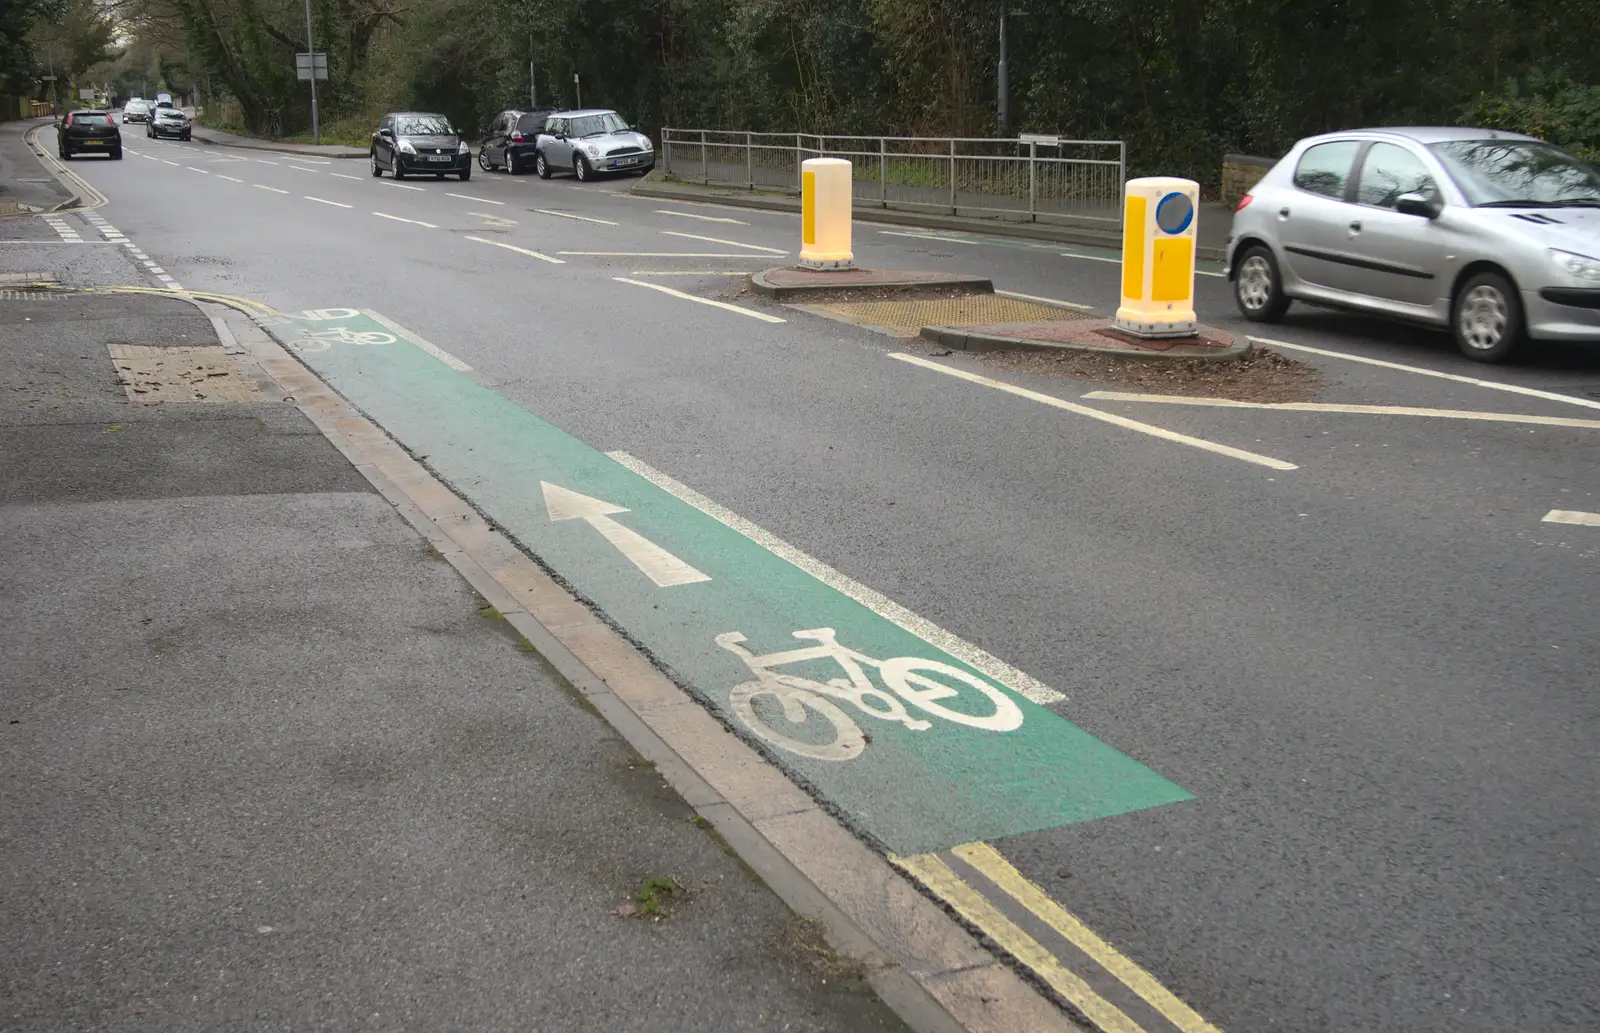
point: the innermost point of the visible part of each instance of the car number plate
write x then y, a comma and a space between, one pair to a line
438, 157
94, 143
624, 161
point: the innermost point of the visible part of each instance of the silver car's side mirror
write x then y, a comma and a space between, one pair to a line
1417, 204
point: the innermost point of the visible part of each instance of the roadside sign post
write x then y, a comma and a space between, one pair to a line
577, 88
306, 66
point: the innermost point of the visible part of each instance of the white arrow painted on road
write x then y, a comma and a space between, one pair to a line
656, 563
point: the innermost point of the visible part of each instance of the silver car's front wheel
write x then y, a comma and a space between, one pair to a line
1487, 323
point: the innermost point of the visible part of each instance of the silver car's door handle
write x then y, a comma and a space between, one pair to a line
1355, 227
1283, 213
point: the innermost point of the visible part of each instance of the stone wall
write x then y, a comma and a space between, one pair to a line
1240, 172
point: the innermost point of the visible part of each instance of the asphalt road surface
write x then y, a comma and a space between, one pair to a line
1373, 676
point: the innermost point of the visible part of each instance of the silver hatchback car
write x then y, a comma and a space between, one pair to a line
1493, 235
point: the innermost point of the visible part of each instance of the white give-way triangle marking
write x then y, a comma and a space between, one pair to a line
656, 563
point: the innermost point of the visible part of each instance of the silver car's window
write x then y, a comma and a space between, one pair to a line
588, 125
1513, 172
1389, 171
1325, 168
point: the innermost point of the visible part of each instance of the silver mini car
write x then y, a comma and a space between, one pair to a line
1493, 235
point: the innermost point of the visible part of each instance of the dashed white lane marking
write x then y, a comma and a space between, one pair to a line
341, 175
1572, 516
156, 269
203, 172
1047, 301
1022, 684
414, 222
730, 243
469, 197
324, 200
266, 162
402, 186
519, 250
230, 179
1493, 385
1097, 414
494, 220
166, 162
432, 349
262, 186
752, 313
63, 229
702, 218
662, 254
569, 215
148, 157
1335, 407
299, 168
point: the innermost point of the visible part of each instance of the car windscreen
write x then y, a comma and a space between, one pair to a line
589, 125
137, 106
1519, 173
424, 125
80, 119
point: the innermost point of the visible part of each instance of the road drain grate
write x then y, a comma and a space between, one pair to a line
152, 375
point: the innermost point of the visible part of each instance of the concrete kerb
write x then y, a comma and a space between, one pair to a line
960, 339
924, 964
828, 282
202, 135
83, 195
1111, 237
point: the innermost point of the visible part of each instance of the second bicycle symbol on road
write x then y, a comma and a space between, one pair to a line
924, 684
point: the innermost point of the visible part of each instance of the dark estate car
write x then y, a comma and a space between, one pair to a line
92, 132
418, 143
137, 110
511, 140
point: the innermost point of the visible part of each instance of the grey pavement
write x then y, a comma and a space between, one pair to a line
23, 181
205, 134
265, 765
1375, 672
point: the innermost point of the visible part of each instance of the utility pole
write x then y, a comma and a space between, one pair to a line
316, 132
1005, 74
577, 88
533, 89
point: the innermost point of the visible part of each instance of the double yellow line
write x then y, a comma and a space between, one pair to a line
972, 905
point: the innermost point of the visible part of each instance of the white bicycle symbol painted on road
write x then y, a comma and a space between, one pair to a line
322, 340
910, 679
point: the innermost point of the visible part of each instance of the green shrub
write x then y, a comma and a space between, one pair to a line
1551, 106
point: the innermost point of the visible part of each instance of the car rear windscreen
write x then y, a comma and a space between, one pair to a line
90, 120
529, 124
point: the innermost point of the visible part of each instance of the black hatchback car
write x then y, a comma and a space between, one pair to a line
417, 143
88, 132
511, 139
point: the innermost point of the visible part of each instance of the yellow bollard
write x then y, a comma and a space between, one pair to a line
1158, 234
825, 214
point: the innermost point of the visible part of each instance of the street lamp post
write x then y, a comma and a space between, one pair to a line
311, 47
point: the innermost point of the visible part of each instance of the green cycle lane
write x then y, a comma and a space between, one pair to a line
919, 751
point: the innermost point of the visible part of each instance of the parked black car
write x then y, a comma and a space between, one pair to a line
410, 143
91, 132
511, 140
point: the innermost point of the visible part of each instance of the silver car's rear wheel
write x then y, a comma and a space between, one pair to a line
1255, 283
1487, 322
1256, 287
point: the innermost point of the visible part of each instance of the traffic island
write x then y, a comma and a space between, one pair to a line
786, 283
1089, 335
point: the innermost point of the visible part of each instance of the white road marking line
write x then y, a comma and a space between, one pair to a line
1047, 301
203, 172
703, 301
469, 197
323, 200
80, 241
266, 162
1333, 407
1022, 684
567, 215
151, 157
341, 175
730, 243
689, 272
402, 186
275, 190
494, 220
928, 236
1493, 385
519, 250
230, 179
432, 349
312, 161
1106, 417
299, 168
1090, 258
414, 222
654, 562
660, 254
702, 218
172, 163
1572, 516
